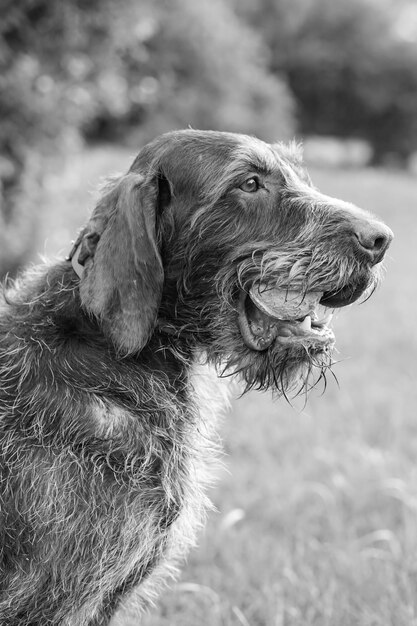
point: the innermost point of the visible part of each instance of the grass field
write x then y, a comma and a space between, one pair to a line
316, 520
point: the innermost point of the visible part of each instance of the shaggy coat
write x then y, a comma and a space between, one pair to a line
106, 418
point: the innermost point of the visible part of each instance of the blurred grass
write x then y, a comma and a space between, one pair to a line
317, 514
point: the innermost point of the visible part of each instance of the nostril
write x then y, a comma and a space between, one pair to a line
380, 243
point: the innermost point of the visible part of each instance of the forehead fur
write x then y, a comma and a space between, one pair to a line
205, 163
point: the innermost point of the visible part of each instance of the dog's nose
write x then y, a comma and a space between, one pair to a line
373, 238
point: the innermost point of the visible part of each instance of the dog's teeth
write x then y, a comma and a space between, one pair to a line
306, 323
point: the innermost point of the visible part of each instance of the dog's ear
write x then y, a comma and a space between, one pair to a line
121, 283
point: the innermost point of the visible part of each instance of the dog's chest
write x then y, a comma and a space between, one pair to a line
207, 402
209, 398
198, 461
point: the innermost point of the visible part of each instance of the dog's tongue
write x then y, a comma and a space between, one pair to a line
284, 304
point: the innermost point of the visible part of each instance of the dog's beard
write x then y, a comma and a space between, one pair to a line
285, 364
286, 370
285, 367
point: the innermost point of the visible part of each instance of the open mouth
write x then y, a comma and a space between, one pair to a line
286, 316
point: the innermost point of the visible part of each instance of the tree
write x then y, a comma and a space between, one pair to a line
349, 66
100, 70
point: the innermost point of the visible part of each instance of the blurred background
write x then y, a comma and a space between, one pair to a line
316, 518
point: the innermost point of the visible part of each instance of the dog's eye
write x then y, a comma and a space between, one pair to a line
251, 185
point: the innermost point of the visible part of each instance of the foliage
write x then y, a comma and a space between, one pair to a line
350, 65
99, 70
216, 78
103, 70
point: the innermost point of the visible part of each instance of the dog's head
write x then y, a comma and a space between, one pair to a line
222, 242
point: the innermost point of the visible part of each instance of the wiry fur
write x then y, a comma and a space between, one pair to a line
104, 440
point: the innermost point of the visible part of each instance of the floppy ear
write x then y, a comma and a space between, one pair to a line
123, 275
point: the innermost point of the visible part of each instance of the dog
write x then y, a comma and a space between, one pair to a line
213, 248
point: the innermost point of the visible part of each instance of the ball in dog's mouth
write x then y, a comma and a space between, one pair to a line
288, 317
